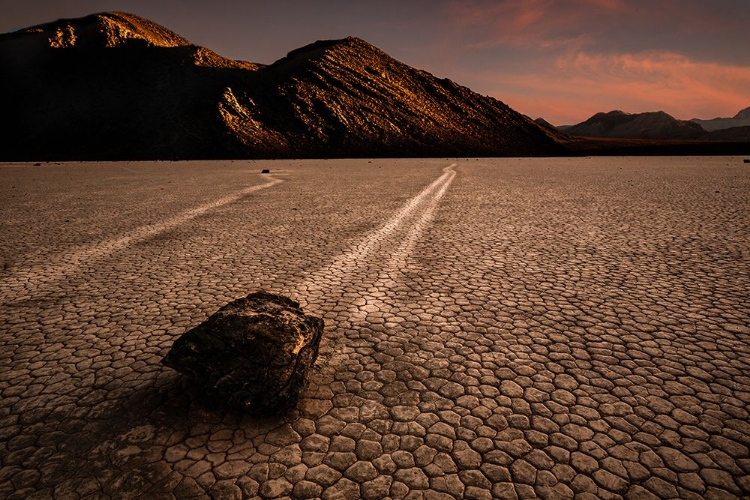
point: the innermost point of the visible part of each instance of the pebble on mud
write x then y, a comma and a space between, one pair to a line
252, 354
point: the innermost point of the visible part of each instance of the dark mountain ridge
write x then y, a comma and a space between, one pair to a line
732, 134
660, 126
116, 86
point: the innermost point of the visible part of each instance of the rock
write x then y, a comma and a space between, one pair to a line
265, 171
253, 354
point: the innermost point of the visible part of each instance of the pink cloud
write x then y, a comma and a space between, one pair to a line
568, 59
542, 23
610, 24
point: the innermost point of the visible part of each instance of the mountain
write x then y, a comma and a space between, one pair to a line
732, 134
652, 125
117, 86
741, 119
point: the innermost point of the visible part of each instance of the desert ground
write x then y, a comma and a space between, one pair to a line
495, 328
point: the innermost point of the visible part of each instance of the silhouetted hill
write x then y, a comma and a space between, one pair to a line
652, 125
733, 134
116, 86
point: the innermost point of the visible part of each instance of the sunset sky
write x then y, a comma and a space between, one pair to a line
563, 60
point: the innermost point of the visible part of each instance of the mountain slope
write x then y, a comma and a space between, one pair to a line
116, 86
557, 133
653, 125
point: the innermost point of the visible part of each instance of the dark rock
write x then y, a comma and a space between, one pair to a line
253, 354
746, 160
265, 171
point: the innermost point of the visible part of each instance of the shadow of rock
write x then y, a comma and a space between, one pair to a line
149, 440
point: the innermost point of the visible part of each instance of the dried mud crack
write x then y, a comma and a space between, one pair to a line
519, 328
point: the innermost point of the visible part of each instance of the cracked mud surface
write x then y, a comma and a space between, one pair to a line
519, 328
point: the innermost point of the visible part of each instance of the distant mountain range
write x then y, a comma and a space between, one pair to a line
116, 86
741, 119
659, 125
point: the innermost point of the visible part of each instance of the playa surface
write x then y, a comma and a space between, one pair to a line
512, 328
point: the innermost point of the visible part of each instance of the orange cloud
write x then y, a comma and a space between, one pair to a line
581, 84
670, 79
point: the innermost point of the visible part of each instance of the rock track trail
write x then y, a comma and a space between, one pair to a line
362, 277
60, 266
494, 328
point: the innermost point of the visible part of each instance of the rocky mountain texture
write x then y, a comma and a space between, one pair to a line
741, 119
652, 125
116, 86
